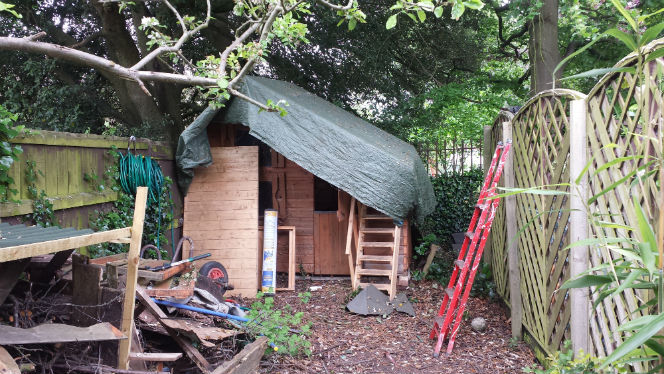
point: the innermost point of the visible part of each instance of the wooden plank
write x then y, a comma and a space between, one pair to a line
516, 309
132, 276
578, 227
186, 345
7, 363
291, 257
156, 357
59, 333
86, 291
349, 239
395, 262
9, 273
247, 361
52, 246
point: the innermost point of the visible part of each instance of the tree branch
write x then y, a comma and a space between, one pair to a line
348, 5
86, 59
186, 35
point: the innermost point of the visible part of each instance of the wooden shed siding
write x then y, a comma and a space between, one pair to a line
221, 210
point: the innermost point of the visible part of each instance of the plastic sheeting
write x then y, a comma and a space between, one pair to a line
376, 168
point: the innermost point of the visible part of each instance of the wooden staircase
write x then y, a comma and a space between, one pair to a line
377, 256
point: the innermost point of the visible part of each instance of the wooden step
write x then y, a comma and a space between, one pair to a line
459, 264
377, 230
377, 244
482, 206
156, 357
376, 258
374, 272
377, 216
380, 286
449, 291
470, 235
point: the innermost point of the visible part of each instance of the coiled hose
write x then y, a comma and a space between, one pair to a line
141, 171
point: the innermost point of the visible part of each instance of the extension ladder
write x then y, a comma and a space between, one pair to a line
470, 255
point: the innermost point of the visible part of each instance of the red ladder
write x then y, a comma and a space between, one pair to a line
478, 231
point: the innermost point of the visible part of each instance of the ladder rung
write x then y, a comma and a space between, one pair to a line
377, 216
470, 235
449, 291
377, 230
376, 244
459, 263
380, 286
482, 206
375, 272
375, 258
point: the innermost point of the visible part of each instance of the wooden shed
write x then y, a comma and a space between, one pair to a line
339, 203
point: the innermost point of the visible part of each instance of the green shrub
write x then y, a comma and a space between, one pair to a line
563, 362
456, 196
285, 330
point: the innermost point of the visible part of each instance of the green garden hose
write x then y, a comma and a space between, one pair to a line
138, 170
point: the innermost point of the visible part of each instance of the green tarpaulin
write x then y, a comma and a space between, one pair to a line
376, 168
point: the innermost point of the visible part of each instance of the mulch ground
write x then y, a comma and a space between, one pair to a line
343, 342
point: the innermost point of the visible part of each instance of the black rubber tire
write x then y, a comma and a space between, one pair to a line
214, 267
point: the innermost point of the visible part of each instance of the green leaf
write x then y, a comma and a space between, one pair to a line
474, 4
589, 280
595, 241
647, 235
421, 15
391, 22
635, 341
637, 323
596, 72
438, 11
624, 37
625, 14
651, 33
412, 16
222, 83
351, 24
655, 55
457, 10
611, 187
627, 283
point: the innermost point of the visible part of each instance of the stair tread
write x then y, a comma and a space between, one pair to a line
377, 216
376, 258
470, 235
378, 272
459, 263
449, 291
377, 230
377, 244
380, 286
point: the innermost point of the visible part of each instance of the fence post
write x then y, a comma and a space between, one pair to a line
516, 309
487, 154
578, 225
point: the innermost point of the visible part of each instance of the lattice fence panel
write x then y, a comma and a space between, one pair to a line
614, 118
541, 151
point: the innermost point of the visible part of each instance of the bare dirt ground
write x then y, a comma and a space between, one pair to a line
346, 343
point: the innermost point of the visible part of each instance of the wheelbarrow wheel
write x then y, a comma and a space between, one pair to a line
214, 270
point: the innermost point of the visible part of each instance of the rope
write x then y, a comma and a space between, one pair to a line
141, 171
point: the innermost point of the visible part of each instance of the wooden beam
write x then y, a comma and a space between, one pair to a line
291, 257
349, 240
487, 153
7, 363
59, 333
9, 273
578, 227
52, 246
132, 276
395, 262
186, 345
246, 361
156, 357
516, 310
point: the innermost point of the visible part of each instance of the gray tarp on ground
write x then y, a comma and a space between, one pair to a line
378, 169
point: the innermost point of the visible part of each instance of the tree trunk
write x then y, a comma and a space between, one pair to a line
543, 50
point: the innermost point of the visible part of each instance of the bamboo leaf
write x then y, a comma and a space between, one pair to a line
624, 37
625, 14
627, 283
618, 160
635, 341
596, 241
647, 235
595, 72
637, 323
651, 33
655, 55
611, 187
587, 281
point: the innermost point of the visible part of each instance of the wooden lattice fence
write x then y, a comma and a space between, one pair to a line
615, 129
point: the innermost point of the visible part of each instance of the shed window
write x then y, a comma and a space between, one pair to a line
325, 196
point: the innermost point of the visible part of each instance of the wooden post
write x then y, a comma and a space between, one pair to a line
516, 309
487, 154
132, 276
349, 241
578, 225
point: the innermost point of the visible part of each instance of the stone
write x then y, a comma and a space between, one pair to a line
401, 304
370, 301
478, 324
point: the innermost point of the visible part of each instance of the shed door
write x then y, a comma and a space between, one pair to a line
330, 244
221, 215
